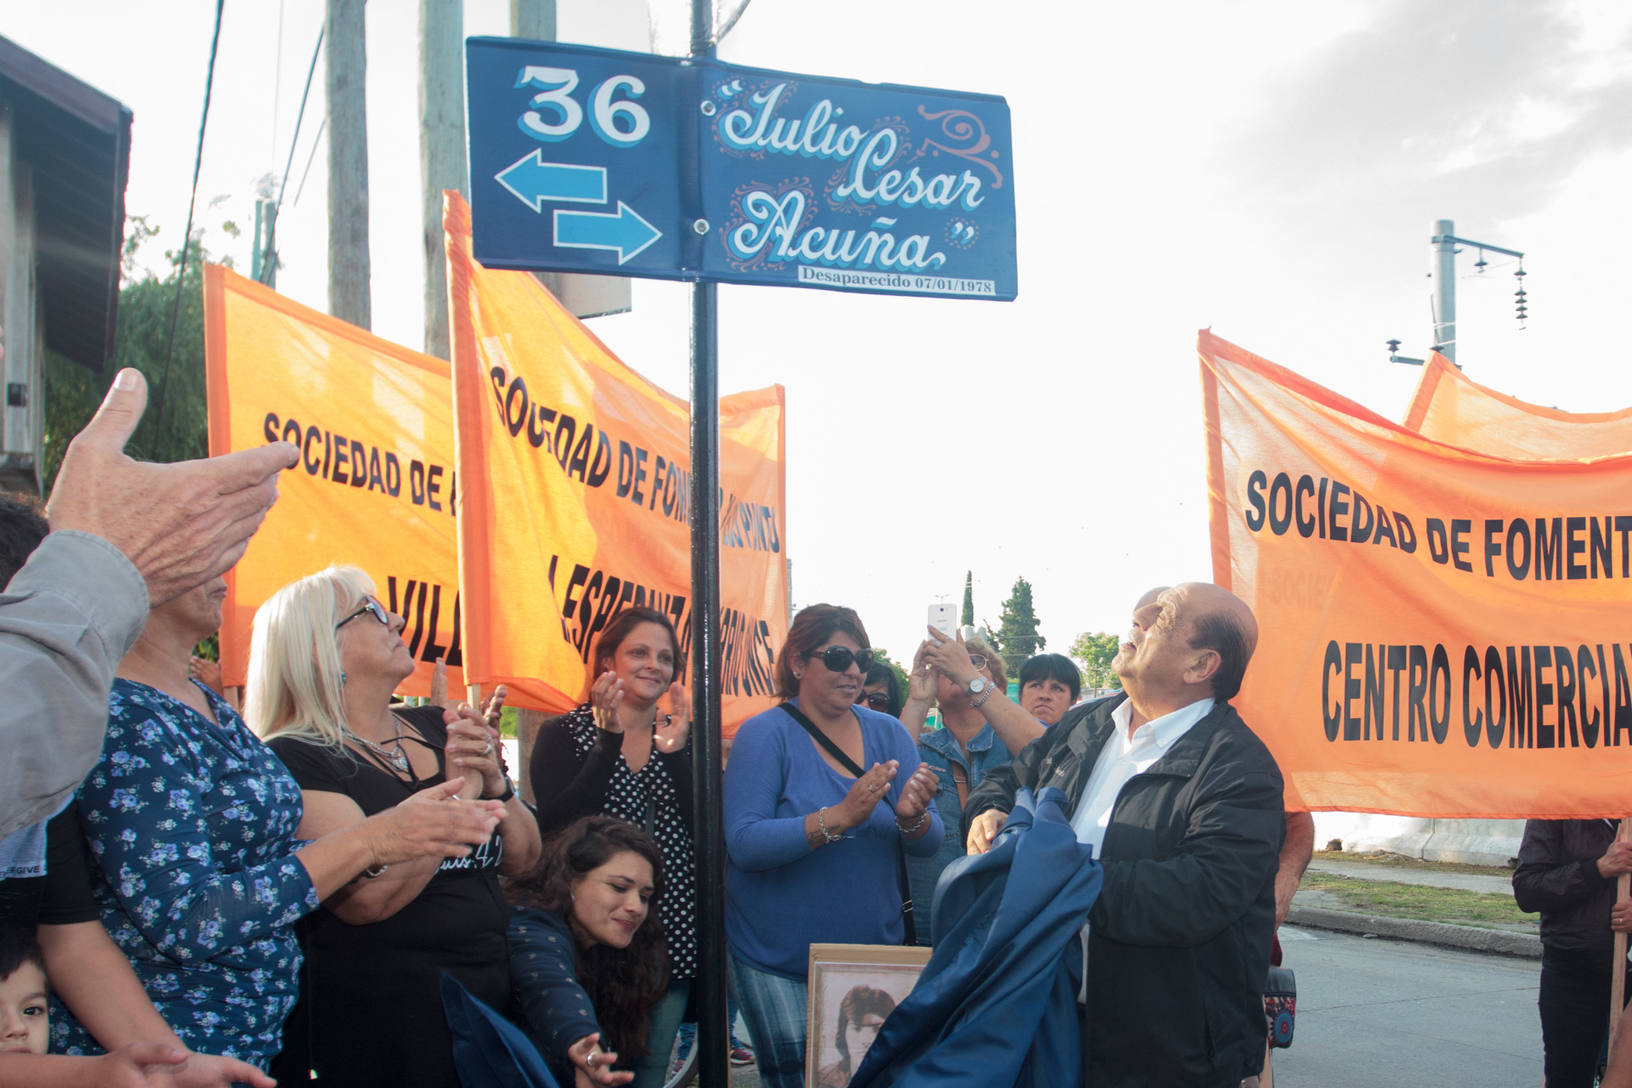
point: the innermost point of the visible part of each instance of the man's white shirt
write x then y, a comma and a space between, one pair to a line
1120, 758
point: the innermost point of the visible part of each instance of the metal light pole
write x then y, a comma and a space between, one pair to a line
1445, 243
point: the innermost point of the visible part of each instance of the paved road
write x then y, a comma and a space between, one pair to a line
1375, 1013
1393, 1014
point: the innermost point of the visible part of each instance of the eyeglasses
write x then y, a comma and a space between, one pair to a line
978, 660
371, 607
878, 700
838, 658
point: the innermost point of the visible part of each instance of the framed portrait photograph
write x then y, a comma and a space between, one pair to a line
853, 990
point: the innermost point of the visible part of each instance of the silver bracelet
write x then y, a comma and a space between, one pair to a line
821, 825
923, 818
987, 694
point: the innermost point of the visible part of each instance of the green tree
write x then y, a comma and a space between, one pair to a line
968, 619
1017, 636
1093, 651
174, 426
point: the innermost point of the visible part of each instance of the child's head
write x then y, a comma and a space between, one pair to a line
23, 1020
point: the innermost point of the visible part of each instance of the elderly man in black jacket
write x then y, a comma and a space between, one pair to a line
1183, 805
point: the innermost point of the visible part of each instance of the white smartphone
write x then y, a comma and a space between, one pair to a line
944, 618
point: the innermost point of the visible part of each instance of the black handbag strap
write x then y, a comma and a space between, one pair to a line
824, 740
910, 928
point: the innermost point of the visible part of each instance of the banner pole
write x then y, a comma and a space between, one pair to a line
1617, 985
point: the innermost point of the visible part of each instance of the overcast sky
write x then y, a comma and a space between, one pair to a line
1270, 169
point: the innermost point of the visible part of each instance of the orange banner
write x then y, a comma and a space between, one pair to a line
375, 484
585, 498
1449, 408
1442, 632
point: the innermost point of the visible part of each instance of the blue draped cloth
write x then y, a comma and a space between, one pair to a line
996, 1004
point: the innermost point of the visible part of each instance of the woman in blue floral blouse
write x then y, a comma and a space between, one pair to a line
201, 876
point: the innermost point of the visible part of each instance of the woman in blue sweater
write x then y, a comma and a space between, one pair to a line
813, 846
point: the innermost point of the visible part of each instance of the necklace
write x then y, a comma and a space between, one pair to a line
391, 753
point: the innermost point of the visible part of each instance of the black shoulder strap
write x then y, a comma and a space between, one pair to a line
909, 925
823, 739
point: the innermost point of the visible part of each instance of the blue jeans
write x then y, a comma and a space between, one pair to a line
774, 1008
663, 1023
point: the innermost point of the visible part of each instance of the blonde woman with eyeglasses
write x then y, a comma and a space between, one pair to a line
325, 659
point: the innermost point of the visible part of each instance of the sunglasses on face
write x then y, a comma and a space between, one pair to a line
877, 700
978, 660
371, 607
838, 658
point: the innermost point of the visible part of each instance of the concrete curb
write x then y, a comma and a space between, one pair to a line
1470, 938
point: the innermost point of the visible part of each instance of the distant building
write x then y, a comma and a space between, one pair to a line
64, 156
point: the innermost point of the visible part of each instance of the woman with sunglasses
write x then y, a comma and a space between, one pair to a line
203, 861
325, 659
619, 754
822, 797
882, 689
981, 729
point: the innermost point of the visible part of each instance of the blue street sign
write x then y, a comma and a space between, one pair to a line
593, 160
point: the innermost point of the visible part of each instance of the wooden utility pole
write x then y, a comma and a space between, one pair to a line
348, 162
533, 19
441, 149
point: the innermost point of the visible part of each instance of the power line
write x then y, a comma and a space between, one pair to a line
187, 238
269, 262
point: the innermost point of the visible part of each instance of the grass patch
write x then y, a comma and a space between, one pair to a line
1400, 861
1421, 902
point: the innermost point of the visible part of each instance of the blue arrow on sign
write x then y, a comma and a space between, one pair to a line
535, 181
624, 231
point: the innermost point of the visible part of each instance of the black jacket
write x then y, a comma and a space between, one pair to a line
1179, 939
1558, 876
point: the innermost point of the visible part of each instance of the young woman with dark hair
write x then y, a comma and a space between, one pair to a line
618, 754
587, 959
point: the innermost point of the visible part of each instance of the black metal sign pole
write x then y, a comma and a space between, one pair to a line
705, 656
712, 1034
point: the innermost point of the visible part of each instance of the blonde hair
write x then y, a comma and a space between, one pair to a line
296, 686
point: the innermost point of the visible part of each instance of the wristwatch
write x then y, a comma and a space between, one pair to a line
977, 685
